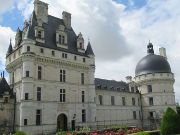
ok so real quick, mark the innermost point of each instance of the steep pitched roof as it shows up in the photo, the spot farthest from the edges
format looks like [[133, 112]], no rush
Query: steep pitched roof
[[111, 85], [4, 87], [89, 50], [10, 49], [50, 35]]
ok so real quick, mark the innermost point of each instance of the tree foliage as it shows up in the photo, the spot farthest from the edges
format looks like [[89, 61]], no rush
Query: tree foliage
[[170, 122]]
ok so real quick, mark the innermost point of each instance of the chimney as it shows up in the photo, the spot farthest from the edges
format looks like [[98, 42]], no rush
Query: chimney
[[41, 11], [162, 52], [129, 79], [67, 19]]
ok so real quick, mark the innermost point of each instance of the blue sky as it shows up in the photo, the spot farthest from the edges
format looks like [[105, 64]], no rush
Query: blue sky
[[133, 24]]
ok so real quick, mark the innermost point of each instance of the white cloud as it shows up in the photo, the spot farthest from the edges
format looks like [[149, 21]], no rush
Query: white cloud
[[5, 34], [5, 6]]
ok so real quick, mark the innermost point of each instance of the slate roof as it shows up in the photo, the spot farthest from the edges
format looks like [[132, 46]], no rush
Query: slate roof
[[4, 87], [50, 35], [89, 50], [111, 85], [10, 49]]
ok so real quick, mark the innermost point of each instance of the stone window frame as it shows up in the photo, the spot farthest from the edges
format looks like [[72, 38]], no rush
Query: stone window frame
[[62, 97]]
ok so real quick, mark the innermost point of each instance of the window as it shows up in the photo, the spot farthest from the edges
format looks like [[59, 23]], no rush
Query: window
[[53, 53], [83, 115], [25, 122], [123, 101], [6, 99], [26, 96], [75, 58], [134, 115], [42, 50], [39, 72], [60, 39], [83, 96], [27, 73], [149, 87], [100, 99], [133, 101], [84, 59], [38, 93], [14, 55], [28, 49], [80, 45], [39, 34], [112, 100], [82, 78], [63, 39], [151, 114], [132, 89], [151, 101], [38, 117], [64, 55], [19, 52], [62, 76], [62, 95]]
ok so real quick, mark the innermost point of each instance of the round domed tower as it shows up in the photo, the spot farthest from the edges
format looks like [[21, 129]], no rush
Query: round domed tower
[[154, 80]]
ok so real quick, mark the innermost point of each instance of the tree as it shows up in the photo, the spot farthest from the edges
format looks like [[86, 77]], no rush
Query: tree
[[170, 122]]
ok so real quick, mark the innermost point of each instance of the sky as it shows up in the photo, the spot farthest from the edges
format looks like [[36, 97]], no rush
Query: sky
[[119, 31]]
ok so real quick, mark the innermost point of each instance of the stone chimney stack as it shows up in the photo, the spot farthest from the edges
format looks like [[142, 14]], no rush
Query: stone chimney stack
[[162, 52], [41, 11], [67, 19], [129, 79]]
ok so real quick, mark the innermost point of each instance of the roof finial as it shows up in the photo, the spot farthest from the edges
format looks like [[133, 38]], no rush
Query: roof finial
[[150, 49]]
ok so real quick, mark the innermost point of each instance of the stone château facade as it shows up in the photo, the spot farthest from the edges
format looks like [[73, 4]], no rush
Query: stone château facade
[[52, 84]]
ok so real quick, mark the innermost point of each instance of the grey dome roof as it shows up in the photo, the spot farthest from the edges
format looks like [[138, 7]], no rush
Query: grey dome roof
[[152, 64]]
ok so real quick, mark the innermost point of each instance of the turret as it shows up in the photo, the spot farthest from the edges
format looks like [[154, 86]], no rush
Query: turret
[[89, 50], [10, 49], [18, 37]]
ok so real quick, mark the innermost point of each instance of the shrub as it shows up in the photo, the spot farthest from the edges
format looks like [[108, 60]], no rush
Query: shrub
[[20, 133], [170, 122]]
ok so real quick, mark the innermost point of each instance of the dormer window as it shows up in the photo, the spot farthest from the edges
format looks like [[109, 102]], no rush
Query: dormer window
[[80, 43], [61, 37], [39, 35]]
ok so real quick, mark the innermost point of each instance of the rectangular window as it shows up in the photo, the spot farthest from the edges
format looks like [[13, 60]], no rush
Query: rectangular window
[[39, 34], [83, 115], [83, 96], [60, 39], [25, 122], [26, 96], [134, 115], [82, 78], [62, 76], [100, 99], [38, 117], [53, 53], [38, 93], [132, 89], [112, 100], [84, 59], [64, 55], [28, 48], [133, 101], [151, 114], [42, 50], [27, 73], [62, 95], [63, 39], [39, 72], [149, 87], [75, 58], [151, 102], [123, 101]]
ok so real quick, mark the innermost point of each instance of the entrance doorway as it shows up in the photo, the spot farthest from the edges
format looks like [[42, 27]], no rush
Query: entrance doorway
[[62, 122]]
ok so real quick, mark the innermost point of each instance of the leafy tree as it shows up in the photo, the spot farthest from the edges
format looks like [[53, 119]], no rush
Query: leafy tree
[[170, 122]]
